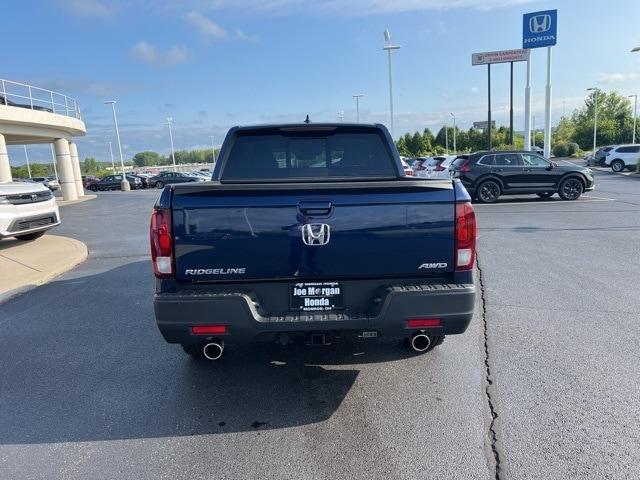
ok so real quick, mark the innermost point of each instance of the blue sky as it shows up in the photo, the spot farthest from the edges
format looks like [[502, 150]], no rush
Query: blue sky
[[212, 64]]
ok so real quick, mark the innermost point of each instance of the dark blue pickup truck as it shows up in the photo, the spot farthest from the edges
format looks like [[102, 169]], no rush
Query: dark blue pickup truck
[[312, 232]]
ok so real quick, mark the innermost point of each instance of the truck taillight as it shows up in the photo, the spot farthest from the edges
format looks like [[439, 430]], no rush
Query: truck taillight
[[465, 236], [161, 243]]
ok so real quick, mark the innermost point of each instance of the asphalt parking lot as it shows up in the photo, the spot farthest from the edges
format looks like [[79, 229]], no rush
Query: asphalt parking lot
[[544, 384]]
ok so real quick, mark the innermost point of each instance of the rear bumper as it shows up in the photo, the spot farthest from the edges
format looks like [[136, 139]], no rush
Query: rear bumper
[[176, 313]]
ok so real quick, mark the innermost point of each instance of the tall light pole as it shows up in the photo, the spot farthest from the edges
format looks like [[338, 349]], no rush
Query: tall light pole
[[29, 166], [124, 185], [595, 116], [389, 48], [533, 129], [213, 149], [113, 165], [635, 111], [446, 140], [455, 147], [358, 96], [173, 152]]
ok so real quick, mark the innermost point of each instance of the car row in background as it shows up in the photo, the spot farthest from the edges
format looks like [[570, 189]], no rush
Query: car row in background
[[433, 167], [488, 175], [50, 182], [143, 180]]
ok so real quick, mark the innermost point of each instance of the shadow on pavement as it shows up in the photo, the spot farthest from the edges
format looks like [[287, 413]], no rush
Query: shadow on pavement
[[83, 361]]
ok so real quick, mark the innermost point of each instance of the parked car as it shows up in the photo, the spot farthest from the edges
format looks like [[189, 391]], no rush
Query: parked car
[[50, 182], [274, 250], [419, 165], [601, 154], [537, 149], [144, 179], [408, 171], [438, 166], [113, 182], [170, 178], [488, 175], [623, 156], [27, 210], [88, 180]]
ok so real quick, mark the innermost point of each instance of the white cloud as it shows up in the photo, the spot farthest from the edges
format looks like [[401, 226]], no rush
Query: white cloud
[[207, 28], [243, 37], [89, 8], [147, 53], [610, 78]]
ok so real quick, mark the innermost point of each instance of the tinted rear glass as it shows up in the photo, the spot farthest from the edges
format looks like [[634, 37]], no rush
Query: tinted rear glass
[[628, 150], [309, 155], [458, 162]]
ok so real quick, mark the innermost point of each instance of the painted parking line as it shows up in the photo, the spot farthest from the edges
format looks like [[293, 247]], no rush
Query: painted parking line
[[545, 202]]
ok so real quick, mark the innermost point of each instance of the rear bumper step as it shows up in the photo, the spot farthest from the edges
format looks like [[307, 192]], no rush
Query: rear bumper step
[[176, 313]]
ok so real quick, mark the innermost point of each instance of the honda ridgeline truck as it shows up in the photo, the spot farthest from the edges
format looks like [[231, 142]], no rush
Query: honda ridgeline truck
[[312, 232]]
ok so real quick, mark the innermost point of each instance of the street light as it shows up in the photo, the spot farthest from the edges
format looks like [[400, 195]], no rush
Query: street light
[[446, 140], [358, 96], [455, 148], [173, 153], [595, 117], [124, 185], [635, 110], [389, 48], [113, 165]]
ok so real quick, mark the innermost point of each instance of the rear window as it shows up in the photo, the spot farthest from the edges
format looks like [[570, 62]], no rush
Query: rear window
[[628, 149], [460, 161], [312, 155]]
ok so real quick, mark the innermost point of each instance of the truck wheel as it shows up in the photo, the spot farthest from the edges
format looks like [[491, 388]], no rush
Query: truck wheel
[[193, 349], [488, 191], [570, 189], [29, 236]]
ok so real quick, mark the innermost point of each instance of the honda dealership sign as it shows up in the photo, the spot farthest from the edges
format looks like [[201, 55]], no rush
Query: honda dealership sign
[[502, 56], [540, 29]]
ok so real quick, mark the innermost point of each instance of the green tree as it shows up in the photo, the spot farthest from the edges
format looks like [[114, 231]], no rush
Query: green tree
[[401, 145], [147, 158], [615, 120]]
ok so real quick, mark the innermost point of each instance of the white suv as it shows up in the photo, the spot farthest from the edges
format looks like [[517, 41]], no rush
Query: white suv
[[26, 210], [623, 156]]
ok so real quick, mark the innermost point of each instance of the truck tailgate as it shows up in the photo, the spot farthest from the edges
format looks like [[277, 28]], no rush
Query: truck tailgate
[[256, 231]]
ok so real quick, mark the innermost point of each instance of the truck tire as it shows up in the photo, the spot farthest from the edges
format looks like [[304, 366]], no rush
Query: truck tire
[[193, 349], [488, 191], [29, 236]]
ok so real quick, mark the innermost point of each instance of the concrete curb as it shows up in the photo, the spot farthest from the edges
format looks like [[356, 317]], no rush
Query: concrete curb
[[63, 203], [26, 265]]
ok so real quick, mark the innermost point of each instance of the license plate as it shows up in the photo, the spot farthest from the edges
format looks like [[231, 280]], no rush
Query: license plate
[[316, 296]]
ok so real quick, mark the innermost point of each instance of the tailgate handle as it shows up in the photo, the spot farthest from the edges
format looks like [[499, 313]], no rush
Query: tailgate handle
[[315, 208]]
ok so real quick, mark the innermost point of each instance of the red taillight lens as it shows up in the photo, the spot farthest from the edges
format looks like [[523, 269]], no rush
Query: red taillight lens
[[421, 167], [465, 236], [161, 243], [423, 322], [409, 173], [209, 329], [440, 168], [465, 167]]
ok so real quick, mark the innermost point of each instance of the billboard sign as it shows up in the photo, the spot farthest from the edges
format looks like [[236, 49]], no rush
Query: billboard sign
[[502, 56], [540, 29]]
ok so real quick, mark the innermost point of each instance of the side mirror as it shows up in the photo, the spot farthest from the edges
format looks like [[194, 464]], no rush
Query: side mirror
[[552, 165]]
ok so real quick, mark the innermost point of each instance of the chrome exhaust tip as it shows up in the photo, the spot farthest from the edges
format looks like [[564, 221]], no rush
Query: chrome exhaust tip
[[420, 342], [213, 350]]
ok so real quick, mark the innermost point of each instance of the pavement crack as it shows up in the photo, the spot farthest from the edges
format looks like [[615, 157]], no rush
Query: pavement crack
[[493, 436]]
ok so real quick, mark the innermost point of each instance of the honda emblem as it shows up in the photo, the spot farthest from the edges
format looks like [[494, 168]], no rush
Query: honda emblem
[[315, 234]]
